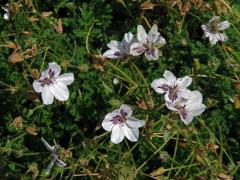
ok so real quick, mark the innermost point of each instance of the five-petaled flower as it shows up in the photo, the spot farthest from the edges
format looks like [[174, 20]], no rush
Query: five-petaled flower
[[148, 43], [175, 88], [120, 49], [212, 28], [51, 84], [121, 123], [54, 154], [188, 108]]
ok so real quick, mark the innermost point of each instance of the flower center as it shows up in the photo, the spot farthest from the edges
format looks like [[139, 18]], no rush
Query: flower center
[[172, 91], [214, 26], [48, 80], [120, 119]]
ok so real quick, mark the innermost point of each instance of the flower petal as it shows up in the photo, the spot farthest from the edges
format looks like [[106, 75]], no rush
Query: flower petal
[[6, 16], [107, 123], [153, 34], [160, 85], [113, 44], [186, 119], [152, 54], [222, 37], [128, 37], [213, 39], [131, 133], [66, 78], [47, 96], [184, 82], [136, 49], [48, 146], [60, 91], [170, 77], [197, 110], [171, 106], [223, 25], [141, 34], [37, 86], [126, 110], [135, 123], [113, 54], [60, 163], [184, 93], [49, 167], [117, 134], [54, 67]]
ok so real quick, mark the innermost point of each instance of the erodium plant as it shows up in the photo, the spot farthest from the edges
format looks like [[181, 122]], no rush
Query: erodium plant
[[129, 90]]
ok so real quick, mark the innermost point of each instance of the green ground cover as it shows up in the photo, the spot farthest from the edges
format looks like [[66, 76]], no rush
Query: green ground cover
[[75, 34]]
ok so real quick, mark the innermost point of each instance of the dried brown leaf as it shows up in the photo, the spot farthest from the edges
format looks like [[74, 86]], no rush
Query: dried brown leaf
[[17, 122], [223, 176], [59, 26], [33, 19], [16, 57], [46, 14], [31, 130], [158, 172], [147, 5]]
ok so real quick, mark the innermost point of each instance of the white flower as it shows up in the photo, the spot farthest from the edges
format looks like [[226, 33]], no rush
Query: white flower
[[175, 88], [188, 108], [53, 150], [121, 123], [51, 84], [212, 28], [6, 15], [147, 43], [119, 50]]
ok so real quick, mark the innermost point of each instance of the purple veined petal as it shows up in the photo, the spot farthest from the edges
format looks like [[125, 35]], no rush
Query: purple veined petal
[[66, 78], [135, 123], [171, 96], [160, 85], [141, 34], [186, 117], [184, 82], [47, 96], [125, 111], [113, 54], [131, 134], [171, 106], [170, 77], [107, 123], [152, 54], [223, 25], [117, 134], [60, 91], [60, 163], [37, 86], [136, 49], [222, 37], [55, 68], [213, 39], [48, 146], [50, 165]]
